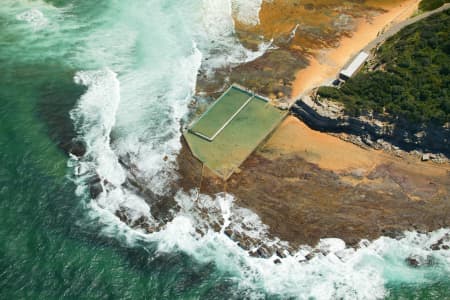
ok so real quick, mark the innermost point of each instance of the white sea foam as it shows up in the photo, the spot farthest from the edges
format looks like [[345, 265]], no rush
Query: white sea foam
[[34, 17], [37, 14], [335, 272], [217, 40], [94, 117], [247, 11]]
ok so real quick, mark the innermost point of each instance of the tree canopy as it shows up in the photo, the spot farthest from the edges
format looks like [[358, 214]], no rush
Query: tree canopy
[[413, 77]]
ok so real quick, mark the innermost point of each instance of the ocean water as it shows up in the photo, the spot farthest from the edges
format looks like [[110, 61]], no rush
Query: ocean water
[[118, 75]]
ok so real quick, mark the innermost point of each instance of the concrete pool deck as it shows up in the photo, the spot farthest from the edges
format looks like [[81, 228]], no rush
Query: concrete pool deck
[[239, 131]]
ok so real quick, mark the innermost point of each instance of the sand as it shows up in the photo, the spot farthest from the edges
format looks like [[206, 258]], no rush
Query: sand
[[328, 152], [293, 137], [326, 64]]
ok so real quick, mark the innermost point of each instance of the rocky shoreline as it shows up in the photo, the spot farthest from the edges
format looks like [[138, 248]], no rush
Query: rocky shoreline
[[379, 132], [302, 204], [300, 201]]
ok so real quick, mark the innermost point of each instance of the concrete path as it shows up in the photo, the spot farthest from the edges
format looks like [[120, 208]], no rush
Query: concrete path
[[396, 28]]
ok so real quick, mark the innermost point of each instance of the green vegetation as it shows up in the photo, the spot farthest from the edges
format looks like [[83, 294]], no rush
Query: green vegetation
[[426, 5], [412, 79]]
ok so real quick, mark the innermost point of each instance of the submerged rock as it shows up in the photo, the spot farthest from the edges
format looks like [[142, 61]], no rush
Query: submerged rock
[[440, 244], [419, 261], [95, 186], [77, 148]]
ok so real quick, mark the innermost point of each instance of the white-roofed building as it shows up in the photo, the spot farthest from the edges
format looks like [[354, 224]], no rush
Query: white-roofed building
[[354, 66]]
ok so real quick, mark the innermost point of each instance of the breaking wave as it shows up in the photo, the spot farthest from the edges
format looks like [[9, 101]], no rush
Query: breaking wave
[[247, 12]]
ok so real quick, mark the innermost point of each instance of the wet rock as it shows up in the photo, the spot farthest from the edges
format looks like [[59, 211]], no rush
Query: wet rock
[[247, 243], [437, 245], [413, 261], [364, 243], [140, 222], [309, 256], [393, 233], [253, 253], [123, 216], [95, 187], [419, 261], [77, 148], [216, 226], [440, 243], [95, 190], [229, 233], [149, 229], [264, 252]]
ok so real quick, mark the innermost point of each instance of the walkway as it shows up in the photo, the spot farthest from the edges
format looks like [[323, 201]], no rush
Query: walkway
[[396, 28]]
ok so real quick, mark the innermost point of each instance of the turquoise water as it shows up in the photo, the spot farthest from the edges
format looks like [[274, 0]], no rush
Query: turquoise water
[[119, 77]]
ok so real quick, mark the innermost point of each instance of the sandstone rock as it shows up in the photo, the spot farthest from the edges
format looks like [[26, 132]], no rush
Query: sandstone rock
[[228, 232], [216, 226]]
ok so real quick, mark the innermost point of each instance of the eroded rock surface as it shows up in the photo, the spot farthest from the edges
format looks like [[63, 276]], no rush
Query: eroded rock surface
[[302, 203]]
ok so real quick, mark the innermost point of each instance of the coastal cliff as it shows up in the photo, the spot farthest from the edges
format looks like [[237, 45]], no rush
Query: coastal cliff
[[399, 97], [379, 132]]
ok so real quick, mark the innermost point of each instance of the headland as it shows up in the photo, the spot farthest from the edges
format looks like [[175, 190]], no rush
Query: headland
[[305, 184]]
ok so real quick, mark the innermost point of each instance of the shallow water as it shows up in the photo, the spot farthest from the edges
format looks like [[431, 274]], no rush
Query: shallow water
[[119, 77]]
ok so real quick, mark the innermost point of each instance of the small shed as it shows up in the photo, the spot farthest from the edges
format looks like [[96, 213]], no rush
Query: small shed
[[354, 66]]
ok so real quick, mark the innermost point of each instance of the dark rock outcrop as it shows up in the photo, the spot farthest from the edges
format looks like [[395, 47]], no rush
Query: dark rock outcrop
[[441, 244], [95, 186], [417, 261], [77, 148], [405, 135]]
